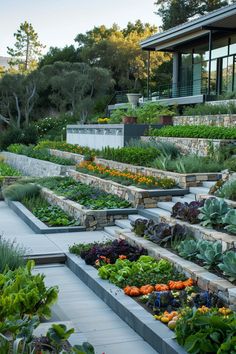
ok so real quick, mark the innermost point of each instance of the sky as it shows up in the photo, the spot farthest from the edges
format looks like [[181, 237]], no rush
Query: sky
[[57, 22]]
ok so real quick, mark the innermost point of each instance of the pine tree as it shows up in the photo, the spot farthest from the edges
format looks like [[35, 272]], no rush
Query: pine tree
[[26, 49]]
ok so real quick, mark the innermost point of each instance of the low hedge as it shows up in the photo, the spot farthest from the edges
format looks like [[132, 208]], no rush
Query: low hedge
[[195, 131]]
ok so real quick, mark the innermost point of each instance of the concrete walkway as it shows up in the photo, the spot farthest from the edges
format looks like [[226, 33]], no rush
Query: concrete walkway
[[77, 303], [89, 314]]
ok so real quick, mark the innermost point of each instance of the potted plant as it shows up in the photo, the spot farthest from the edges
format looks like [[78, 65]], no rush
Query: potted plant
[[133, 99], [166, 116], [129, 119]]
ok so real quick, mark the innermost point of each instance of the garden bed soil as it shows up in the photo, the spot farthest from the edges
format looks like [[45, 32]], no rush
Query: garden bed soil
[[206, 280], [89, 219], [37, 225], [183, 180], [139, 198]]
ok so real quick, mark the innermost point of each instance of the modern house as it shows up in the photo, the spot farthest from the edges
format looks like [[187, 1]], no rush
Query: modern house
[[204, 58]]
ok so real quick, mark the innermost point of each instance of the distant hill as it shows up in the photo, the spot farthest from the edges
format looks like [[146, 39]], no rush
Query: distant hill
[[4, 61]]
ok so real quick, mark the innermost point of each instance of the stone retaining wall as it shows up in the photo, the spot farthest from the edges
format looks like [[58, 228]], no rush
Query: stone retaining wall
[[191, 145], [77, 158], [90, 219], [34, 167], [139, 198], [220, 120], [182, 180]]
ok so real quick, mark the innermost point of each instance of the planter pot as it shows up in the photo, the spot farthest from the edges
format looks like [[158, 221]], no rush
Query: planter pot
[[129, 120], [166, 120], [133, 98]]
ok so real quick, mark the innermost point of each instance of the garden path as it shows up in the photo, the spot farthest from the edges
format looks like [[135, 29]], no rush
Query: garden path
[[77, 303]]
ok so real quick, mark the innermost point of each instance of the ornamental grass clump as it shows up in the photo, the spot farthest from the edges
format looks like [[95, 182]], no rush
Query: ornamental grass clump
[[19, 191], [11, 255], [125, 177]]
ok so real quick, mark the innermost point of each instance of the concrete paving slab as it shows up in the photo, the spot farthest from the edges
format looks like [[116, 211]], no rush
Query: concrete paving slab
[[89, 314]]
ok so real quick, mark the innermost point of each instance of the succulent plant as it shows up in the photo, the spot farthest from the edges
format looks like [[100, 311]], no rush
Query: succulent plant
[[209, 252], [188, 249], [213, 212], [228, 265], [230, 221]]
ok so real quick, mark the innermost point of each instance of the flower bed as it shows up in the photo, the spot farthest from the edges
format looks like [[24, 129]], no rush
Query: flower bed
[[137, 197], [63, 146], [170, 301], [125, 177], [97, 209], [203, 252], [49, 214], [211, 213]]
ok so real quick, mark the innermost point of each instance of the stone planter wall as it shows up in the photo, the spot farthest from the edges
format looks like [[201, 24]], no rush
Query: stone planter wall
[[205, 280], [191, 145], [220, 120], [34, 167], [90, 219], [77, 158], [182, 180], [139, 198]]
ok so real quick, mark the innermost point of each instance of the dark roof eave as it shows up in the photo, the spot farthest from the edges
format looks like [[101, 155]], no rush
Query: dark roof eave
[[151, 42]]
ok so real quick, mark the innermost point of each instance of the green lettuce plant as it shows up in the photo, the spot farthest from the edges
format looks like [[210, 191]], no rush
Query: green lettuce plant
[[212, 213], [228, 265], [230, 221], [209, 252]]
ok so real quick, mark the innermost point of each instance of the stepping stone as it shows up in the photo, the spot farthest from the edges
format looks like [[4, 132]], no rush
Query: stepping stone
[[208, 184], [199, 190], [134, 217]]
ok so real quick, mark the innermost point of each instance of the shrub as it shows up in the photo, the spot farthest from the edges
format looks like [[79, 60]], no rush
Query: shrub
[[231, 164], [63, 146], [208, 109], [18, 191], [54, 128], [131, 155], [195, 131], [18, 136], [11, 255]]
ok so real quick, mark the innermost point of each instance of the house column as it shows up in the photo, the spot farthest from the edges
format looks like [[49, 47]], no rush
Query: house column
[[175, 78]]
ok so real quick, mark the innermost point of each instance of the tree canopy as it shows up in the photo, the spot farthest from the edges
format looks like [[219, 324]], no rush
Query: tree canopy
[[176, 12], [27, 48]]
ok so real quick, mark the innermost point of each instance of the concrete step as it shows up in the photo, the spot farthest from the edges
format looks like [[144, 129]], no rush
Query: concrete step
[[184, 199], [199, 190], [161, 212], [190, 196], [124, 224], [111, 230], [134, 217], [208, 184], [166, 205]]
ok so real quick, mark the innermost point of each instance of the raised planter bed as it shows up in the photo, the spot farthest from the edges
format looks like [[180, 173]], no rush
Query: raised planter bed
[[198, 231], [90, 219], [34, 167], [205, 280], [35, 224], [139, 198], [77, 158], [184, 180], [197, 146], [153, 332]]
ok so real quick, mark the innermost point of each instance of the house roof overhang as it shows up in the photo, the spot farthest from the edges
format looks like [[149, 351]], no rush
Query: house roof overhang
[[223, 19]]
